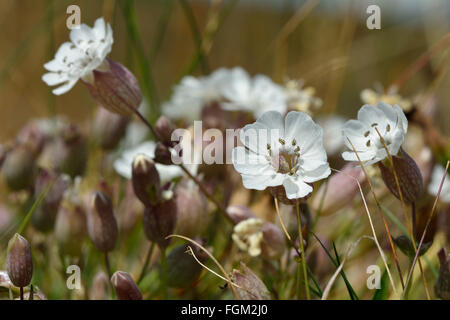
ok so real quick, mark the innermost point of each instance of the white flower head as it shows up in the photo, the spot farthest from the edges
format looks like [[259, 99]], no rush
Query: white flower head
[[256, 95], [192, 94], [248, 236], [77, 59], [123, 165], [287, 152], [383, 120], [436, 178]]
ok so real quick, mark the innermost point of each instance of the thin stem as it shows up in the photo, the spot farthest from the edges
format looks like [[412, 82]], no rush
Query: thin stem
[[302, 252], [414, 220], [146, 262], [21, 293], [164, 274]]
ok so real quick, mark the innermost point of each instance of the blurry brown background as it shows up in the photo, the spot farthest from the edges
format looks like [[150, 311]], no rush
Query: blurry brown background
[[329, 45]]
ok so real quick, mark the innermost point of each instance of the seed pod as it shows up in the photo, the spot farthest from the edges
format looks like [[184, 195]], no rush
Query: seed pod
[[160, 220], [251, 287], [162, 154], [19, 168], [109, 128], [125, 286], [19, 262], [70, 229], [182, 269], [442, 285], [164, 127], [43, 219], [408, 174], [340, 190], [70, 152], [101, 222], [192, 215], [239, 213], [116, 89], [145, 180]]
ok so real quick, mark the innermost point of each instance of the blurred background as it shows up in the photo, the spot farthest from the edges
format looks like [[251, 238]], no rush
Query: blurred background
[[326, 43]]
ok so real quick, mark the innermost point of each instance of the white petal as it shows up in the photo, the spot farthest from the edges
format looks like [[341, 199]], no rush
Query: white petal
[[52, 78], [248, 162], [65, 88], [296, 189], [321, 172], [261, 182]]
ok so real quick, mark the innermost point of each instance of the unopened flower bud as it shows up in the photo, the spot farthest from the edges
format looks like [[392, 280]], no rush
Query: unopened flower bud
[[145, 180], [408, 174], [44, 216], [70, 229], [406, 246], [340, 190], [100, 287], [250, 286], [162, 154], [102, 224], [19, 168], [19, 262], [125, 287], [442, 285], [109, 128], [182, 268], [70, 152], [239, 213], [115, 88], [164, 127], [192, 214], [159, 221]]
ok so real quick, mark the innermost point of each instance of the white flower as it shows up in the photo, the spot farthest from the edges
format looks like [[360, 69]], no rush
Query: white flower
[[436, 178], [248, 235], [256, 95], [192, 94], [77, 59], [301, 98], [123, 164], [285, 152], [364, 133]]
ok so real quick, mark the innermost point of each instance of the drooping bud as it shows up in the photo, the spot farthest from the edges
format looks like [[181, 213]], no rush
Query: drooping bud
[[239, 213], [109, 128], [182, 269], [162, 154], [159, 220], [408, 174], [70, 229], [19, 168], [100, 287], [44, 216], [115, 88], [250, 286], [101, 222], [340, 190], [19, 262], [442, 285], [405, 245], [125, 287], [145, 180], [70, 152], [164, 127], [192, 215]]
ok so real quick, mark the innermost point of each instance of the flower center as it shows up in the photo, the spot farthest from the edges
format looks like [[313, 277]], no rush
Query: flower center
[[286, 161]]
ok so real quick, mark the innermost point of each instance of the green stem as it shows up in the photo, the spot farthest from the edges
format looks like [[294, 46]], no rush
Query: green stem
[[302, 252], [164, 274], [108, 265], [147, 260]]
